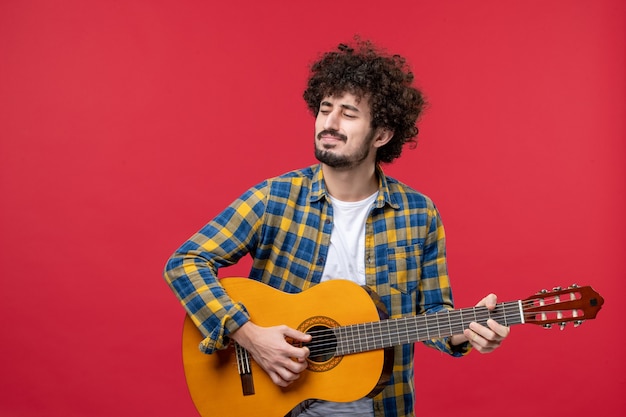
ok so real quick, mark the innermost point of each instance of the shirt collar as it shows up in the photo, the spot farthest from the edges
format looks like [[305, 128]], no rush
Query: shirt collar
[[319, 191]]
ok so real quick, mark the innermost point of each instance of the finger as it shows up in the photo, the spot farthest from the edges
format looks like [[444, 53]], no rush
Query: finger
[[296, 353], [483, 332], [500, 330], [286, 371], [479, 343], [294, 365], [489, 301], [278, 380], [469, 335], [289, 373], [307, 352], [296, 335], [475, 340]]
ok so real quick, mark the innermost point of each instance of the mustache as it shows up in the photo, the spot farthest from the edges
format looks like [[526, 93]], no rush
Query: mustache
[[333, 133]]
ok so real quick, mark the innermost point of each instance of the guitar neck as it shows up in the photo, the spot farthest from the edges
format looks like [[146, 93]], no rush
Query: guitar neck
[[382, 334]]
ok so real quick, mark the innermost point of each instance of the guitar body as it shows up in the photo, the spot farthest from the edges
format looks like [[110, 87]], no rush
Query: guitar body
[[215, 384]]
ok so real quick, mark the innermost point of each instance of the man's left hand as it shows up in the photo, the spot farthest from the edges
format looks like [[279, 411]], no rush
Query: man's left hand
[[484, 339]]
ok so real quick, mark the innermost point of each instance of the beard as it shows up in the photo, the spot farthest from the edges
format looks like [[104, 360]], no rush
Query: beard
[[326, 155]]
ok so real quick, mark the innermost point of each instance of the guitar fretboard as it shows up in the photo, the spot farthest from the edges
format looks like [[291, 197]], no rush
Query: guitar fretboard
[[387, 333]]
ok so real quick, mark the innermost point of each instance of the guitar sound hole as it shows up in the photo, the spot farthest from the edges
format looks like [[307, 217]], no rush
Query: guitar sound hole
[[323, 345]]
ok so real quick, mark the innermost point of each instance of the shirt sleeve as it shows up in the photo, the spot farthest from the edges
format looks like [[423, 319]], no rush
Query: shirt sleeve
[[191, 272], [435, 283]]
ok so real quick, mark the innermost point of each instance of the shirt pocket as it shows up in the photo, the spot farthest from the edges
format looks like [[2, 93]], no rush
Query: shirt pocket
[[405, 267]]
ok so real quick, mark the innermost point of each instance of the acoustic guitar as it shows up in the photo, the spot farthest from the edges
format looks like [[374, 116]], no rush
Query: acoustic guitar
[[351, 351]]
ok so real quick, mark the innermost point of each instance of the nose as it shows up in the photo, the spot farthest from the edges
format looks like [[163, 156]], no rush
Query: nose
[[331, 122]]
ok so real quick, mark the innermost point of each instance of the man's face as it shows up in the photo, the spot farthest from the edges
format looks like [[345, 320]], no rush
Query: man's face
[[343, 132]]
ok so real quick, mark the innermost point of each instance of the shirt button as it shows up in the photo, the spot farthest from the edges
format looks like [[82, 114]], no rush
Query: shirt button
[[320, 260]]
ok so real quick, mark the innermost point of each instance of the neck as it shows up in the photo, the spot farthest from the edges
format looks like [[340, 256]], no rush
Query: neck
[[353, 184]]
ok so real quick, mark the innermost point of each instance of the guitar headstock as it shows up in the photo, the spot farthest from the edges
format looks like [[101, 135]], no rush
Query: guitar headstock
[[560, 306]]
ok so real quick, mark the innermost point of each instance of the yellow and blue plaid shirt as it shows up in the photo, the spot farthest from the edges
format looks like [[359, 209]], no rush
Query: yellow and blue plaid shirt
[[284, 224]]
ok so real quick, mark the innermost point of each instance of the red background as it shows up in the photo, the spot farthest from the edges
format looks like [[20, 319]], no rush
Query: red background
[[126, 125]]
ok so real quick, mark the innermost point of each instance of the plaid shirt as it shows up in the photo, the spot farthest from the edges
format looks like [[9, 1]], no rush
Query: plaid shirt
[[285, 224]]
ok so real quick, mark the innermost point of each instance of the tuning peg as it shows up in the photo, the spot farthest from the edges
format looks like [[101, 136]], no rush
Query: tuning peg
[[562, 325], [557, 289], [547, 326], [578, 323], [574, 286], [543, 291]]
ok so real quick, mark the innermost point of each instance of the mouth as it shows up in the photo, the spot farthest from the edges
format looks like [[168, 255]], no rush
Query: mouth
[[331, 136]]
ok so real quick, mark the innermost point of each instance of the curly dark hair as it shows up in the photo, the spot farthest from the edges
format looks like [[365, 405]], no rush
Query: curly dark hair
[[386, 80]]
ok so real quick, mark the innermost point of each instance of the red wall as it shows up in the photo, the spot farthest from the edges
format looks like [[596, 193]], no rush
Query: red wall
[[126, 125]]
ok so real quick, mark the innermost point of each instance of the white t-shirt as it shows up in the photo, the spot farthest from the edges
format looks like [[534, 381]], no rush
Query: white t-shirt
[[346, 260], [346, 254]]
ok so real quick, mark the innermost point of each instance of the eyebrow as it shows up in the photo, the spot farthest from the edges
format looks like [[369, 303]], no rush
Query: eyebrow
[[344, 106]]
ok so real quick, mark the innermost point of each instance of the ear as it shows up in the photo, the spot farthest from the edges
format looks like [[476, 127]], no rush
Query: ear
[[382, 137]]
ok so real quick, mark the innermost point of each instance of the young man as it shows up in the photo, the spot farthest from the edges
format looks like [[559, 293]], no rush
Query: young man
[[342, 218]]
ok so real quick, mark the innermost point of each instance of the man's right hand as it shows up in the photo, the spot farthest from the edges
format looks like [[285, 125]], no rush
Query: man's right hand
[[269, 348]]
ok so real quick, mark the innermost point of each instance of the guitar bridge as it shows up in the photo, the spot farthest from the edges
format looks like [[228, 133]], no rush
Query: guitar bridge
[[245, 370]]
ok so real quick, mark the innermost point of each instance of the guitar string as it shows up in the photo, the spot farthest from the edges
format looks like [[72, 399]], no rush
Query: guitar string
[[370, 334], [375, 330], [372, 331], [513, 306], [484, 314], [371, 341], [431, 326]]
